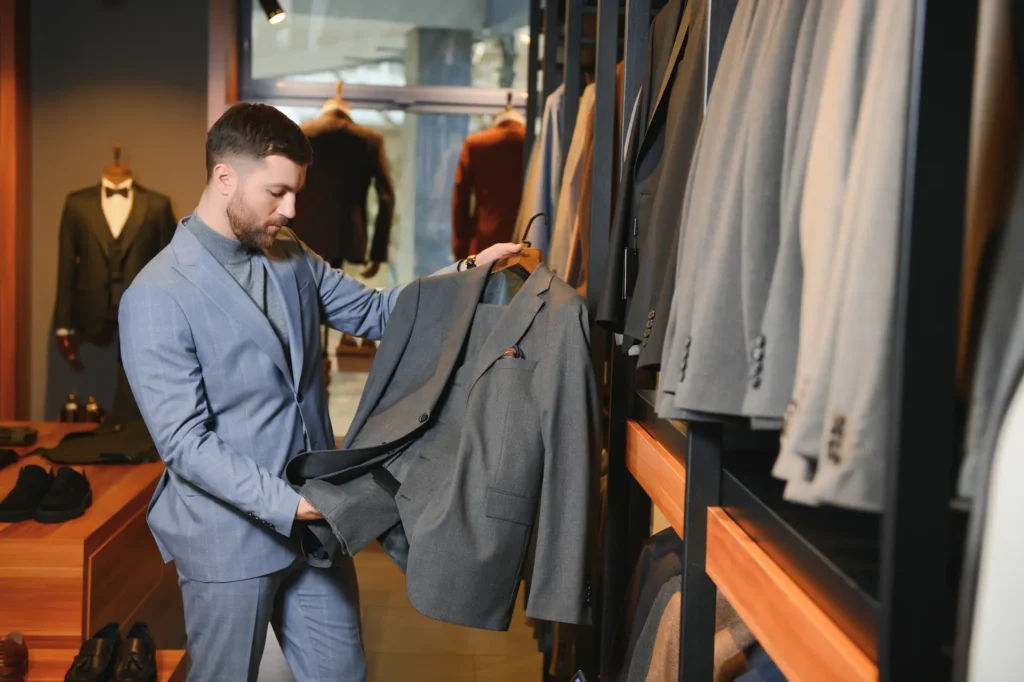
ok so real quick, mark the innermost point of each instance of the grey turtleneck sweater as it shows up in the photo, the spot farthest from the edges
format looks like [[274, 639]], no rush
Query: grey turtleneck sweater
[[247, 268]]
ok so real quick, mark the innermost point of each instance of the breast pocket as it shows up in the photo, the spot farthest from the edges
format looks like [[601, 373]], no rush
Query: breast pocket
[[514, 430]]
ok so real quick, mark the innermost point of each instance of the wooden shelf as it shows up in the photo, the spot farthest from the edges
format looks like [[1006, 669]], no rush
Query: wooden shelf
[[50, 665], [802, 640], [62, 582], [661, 474]]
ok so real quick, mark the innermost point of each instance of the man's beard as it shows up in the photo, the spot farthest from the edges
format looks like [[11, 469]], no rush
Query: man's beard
[[250, 231]]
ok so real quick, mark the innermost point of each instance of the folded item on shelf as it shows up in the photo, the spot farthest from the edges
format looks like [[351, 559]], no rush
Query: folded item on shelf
[[113, 442], [17, 436]]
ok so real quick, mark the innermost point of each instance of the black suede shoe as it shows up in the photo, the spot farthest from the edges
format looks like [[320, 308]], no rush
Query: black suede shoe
[[67, 499], [137, 661], [96, 658], [33, 484]]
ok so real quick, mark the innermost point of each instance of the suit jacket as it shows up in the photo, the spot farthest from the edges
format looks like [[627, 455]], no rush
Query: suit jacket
[[987, 602], [572, 185], [224, 407], [490, 171], [675, 37], [854, 442], [732, 234], [828, 165], [711, 195], [773, 365], [94, 269], [517, 468], [330, 211], [543, 183]]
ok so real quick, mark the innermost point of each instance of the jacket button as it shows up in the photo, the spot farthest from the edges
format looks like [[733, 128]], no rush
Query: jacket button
[[298, 397], [424, 417]]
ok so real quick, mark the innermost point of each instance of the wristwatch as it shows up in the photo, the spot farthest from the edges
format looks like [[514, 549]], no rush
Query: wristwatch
[[471, 262]]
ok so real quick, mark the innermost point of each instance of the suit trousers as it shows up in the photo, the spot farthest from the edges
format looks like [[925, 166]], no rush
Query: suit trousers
[[314, 613]]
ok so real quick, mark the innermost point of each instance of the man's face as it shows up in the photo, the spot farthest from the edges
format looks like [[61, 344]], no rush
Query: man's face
[[264, 200]]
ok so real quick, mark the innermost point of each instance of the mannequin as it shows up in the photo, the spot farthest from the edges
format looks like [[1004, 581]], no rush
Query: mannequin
[[108, 233], [489, 184]]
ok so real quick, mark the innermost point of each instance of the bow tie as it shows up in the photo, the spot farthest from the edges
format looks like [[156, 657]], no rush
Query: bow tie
[[110, 191]]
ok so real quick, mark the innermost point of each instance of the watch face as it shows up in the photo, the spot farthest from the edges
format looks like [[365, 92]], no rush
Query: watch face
[[579, 677]]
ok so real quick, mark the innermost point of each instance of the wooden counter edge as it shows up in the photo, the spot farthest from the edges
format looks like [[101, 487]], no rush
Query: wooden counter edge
[[802, 640], [661, 474]]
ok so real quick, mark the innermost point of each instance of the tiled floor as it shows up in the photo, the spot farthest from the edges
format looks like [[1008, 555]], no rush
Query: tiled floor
[[401, 644]]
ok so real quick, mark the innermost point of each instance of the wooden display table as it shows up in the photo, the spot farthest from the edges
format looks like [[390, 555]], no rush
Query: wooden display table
[[50, 665], [61, 583]]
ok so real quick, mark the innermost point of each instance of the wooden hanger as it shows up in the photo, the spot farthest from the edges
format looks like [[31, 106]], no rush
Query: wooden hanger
[[116, 173], [508, 101], [528, 258]]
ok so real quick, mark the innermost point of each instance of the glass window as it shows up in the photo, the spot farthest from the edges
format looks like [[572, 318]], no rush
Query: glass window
[[423, 152], [470, 43]]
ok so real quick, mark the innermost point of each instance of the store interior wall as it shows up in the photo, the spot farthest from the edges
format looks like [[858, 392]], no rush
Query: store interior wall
[[140, 80]]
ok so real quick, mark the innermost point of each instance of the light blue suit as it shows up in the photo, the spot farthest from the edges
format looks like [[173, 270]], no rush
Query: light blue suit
[[228, 409]]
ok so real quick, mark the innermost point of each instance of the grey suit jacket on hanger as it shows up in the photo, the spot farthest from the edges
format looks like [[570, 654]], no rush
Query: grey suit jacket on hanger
[[488, 453]]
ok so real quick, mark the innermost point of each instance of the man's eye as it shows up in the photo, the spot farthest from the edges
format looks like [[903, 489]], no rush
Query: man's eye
[[277, 195]]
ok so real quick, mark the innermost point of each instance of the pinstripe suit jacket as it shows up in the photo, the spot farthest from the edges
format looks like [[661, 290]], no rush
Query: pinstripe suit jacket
[[225, 407]]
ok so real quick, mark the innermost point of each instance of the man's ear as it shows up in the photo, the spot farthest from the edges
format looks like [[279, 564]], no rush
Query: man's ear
[[224, 178]]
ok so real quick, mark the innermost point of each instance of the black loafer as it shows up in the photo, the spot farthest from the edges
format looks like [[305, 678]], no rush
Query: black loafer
[[67, 499], [137, 660], [96, 658], [34, 482]]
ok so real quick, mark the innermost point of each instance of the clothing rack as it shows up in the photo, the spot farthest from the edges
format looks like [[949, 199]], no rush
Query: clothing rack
[[829, 593]]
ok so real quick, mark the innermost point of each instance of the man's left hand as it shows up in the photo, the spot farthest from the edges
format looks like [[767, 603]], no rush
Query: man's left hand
[[496, 252]]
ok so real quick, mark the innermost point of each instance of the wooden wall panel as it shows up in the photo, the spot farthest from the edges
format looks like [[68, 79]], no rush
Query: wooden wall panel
[[222, 82], [15, 151]]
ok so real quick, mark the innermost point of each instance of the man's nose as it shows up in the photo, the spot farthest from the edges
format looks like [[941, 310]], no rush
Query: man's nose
[[287, 207]]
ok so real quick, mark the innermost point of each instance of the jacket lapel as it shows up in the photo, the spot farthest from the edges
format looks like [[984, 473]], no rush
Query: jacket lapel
[[199, 266], [514, 323], [98, 221], [135, 218], [682, 36], [281, 272]]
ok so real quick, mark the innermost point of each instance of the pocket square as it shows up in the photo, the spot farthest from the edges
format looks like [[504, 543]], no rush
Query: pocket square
[[514, 352]]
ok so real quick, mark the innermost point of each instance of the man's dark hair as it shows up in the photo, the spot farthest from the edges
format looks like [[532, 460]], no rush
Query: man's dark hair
[[256, 131]]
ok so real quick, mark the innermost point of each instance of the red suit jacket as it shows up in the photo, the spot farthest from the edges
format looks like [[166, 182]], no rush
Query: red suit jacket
[[490, 170]]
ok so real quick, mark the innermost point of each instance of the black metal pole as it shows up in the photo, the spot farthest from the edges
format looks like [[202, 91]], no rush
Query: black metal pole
[[604, 144], [552, 41], [699, 594], [532, 85], [917, 619], [638, 25], [572, 71]]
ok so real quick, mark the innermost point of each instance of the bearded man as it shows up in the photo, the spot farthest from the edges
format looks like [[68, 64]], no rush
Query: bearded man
[[220, 342]]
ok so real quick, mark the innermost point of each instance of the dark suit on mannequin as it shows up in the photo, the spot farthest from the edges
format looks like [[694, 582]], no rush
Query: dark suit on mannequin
[[94, 268], [330, 211]]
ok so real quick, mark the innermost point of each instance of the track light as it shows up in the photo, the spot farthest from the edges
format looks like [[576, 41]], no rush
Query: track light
[[275, 15]]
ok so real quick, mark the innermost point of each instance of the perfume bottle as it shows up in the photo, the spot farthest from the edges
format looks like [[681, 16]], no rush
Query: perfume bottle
[[72, 410], [93, 411]]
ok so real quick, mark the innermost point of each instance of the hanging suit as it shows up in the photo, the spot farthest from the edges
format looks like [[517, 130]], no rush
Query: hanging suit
[[330, 211], [475, 437], [490, 171]]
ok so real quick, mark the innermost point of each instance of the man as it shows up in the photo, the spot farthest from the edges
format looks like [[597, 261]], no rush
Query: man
[[219, 339]]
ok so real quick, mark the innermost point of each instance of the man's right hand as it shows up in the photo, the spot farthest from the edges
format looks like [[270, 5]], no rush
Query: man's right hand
[[306, 511]]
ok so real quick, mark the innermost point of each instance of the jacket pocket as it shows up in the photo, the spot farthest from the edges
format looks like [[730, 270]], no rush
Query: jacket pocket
[[509, 507]]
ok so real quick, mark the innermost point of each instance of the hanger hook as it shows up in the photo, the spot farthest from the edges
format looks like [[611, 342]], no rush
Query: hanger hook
[[117, 155], [530, 224]]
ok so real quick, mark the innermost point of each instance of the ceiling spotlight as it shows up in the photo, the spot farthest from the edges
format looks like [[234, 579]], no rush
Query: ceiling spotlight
[[275, 15]]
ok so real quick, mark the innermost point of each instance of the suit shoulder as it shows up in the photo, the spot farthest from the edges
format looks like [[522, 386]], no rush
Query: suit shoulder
[[154, 197], [83, 193], [564, 297]]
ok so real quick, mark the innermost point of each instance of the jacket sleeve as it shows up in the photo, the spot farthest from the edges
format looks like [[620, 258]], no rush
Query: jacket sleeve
[[163, 370], [560, 579], [462, 229], [65, 271], [385, 204]]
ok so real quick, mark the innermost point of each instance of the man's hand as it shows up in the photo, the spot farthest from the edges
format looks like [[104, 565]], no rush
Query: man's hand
[[67, 345], [306, 511], [496, 252]]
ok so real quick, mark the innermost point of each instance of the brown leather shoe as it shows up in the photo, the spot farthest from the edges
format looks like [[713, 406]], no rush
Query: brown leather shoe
[[13, 658]]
